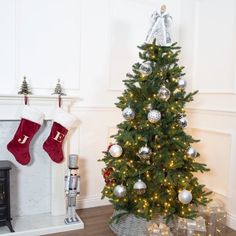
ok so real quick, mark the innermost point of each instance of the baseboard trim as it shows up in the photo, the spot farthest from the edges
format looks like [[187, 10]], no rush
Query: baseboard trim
[[231, 221], [91, 201]]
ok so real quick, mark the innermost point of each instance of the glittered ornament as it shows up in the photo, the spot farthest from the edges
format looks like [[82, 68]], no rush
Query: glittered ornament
[[128, 113], [144, 153], [164, 93], [185, 196], [115, 150], [182, 83], [154, 116], [182, 122], [120, 191], [140, 187], [192, 152], [145, 69]]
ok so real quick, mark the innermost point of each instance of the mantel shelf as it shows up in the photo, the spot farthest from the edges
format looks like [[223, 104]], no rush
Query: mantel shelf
[[35, 98], [11, 105]]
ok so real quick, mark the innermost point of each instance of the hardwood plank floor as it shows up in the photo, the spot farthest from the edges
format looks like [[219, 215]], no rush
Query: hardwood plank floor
[[96, 223]]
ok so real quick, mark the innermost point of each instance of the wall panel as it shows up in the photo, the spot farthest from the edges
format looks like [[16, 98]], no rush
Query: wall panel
[[48, 42], [215, 34], [7, 46]]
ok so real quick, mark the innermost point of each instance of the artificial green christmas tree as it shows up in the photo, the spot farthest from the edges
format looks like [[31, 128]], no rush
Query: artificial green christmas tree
[[149, 171]]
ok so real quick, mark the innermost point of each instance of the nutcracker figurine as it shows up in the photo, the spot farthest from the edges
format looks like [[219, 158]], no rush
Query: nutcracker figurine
[[72, 188]]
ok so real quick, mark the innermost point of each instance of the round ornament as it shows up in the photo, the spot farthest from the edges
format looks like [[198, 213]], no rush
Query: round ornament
[[115, 150], [192, 152], [140, 187], [185, 196], [154, 116], [145, 69], [182, 122], [144, 153], [119, 191], [182, 83], [164, 93], [128, 113]]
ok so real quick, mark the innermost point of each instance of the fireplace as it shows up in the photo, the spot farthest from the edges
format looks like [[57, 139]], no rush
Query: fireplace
[[49, 216], [5, 209]]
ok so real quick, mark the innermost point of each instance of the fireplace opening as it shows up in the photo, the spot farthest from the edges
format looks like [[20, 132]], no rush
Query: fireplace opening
[[5, 206]]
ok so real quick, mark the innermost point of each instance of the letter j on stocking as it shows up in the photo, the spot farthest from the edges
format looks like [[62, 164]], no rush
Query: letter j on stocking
[[31, 120]]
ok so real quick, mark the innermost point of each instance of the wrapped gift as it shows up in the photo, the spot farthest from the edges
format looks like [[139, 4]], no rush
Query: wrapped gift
[[158, 229], [189, 227], [215, 216]]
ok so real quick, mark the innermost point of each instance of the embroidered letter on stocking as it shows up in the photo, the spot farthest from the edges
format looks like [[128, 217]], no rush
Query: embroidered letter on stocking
[[31, 120], [62, 122]]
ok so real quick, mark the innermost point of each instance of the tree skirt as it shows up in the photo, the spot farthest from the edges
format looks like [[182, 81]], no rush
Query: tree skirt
[[129, 225]]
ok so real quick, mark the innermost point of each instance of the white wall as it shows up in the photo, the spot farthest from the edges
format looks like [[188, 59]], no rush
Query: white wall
[[91, 45], [208, 36]]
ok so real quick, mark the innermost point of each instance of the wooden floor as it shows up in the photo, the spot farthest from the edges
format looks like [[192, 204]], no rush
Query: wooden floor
[[96, 223]]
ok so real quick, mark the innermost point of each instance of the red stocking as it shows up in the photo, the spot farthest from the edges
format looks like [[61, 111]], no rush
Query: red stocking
[[63, 121], [31, 120]]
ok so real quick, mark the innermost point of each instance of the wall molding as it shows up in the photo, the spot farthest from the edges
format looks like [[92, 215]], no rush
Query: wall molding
[[77, 108], [91, 201], [211, 111], [225, 193], [76, 82], [229, 91], [231, 220]]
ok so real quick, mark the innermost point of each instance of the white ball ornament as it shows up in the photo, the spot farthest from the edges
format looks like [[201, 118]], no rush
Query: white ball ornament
[[192, 152], [145, 69], [115, 150], [182, 83], [185, 196], [154, 116], [120, 191], [140, 187], [164, 93], [128, 113]]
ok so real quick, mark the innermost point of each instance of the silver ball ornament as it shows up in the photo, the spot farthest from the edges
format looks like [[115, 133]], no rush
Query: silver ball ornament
[[185, 196], [120, 191], [192, 152], [145, 69], [154, 116], [140, 187], [164, 93], [115, 150], [144, 153], [182, 122], [182, 83], [128, 113]]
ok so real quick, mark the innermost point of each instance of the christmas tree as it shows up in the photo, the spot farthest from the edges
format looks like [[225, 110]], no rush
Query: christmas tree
[[58, 89], [24, 88], [150, 169]]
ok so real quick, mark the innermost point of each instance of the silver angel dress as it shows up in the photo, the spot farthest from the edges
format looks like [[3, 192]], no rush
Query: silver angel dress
[[160, 29]]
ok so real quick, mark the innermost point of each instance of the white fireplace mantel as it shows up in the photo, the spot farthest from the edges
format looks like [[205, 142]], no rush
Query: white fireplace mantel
[[11, 105], [10, 109]]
